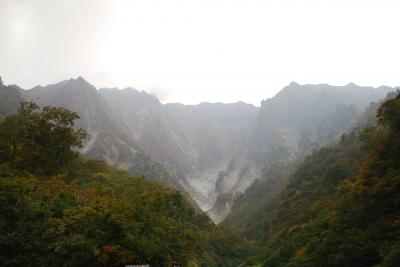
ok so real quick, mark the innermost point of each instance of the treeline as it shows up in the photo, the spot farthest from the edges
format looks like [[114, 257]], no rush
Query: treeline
[[58, 209]]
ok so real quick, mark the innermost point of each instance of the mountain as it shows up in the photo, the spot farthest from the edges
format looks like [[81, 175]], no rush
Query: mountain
[[301, 118], [217, 150], [109, 138], [213, 136], [213, 151], [194, 142], [142, 114], [292, 124], [258, 200]]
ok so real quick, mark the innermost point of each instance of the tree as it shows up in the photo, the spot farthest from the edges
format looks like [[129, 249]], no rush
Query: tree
[[389, 114], [41, 141]]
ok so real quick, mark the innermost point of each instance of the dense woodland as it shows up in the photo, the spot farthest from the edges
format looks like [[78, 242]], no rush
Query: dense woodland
[[340, 206]]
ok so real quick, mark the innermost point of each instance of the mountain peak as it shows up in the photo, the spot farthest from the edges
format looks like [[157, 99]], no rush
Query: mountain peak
[[293, 84], [351, 84], [80, 80], [78, 83]]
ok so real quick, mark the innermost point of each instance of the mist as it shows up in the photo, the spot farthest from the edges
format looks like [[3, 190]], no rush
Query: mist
[[190, 51]]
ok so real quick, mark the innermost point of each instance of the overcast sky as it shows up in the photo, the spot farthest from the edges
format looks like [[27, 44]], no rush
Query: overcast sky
[[193, 51]]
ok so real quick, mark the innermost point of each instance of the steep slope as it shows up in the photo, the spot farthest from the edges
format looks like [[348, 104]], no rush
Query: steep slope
[[251, 207], [295, 122], [98, 216], [198, 144], [258, 200], [213, 137], [307, 197], [109, 138], [215, 151], [96, 118], [340, 207], [301, 118], [142, 115], [344, 218]]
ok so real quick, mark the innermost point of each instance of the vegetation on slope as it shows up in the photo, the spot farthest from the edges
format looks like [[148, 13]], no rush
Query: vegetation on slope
[[342, 205], [57, 209], [257, 201]]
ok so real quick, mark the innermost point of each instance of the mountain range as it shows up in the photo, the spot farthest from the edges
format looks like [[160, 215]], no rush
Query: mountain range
[[212, 151]]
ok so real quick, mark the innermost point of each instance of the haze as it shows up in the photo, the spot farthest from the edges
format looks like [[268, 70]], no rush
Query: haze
[[194, 51]]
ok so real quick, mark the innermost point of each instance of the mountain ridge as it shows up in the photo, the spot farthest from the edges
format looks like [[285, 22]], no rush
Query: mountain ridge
[[213, 151]]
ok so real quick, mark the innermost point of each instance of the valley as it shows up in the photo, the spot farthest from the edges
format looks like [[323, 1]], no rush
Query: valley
[[199, 133], [212, 151], [280, 180]]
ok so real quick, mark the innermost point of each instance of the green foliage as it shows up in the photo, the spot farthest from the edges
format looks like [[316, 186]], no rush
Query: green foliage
[[40, 141], [392, 258], [257, 201], [342, 205], [389, 115], [96, 216]]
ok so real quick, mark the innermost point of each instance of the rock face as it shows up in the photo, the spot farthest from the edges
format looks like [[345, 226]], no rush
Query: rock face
[[104, 128], [109, 138], [213, 151], [298, 120], [195, 143], [213, 137], [216, 151]]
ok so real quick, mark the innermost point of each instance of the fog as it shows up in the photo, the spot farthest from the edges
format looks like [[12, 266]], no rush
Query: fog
[[194, 51]]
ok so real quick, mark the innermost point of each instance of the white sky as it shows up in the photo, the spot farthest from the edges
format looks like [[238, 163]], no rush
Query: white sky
[[193, 51]]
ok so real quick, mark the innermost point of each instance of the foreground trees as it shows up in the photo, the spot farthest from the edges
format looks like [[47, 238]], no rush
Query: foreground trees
[[40, 141]]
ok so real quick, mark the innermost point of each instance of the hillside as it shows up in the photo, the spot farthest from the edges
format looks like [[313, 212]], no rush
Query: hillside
[[340, 206], [97, 216], [294, 123], [58, 209], [259, 199]]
